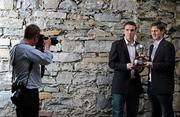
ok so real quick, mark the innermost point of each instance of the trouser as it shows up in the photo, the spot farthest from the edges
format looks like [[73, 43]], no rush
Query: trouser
[[130, 100], [29, 106], [161, 105]]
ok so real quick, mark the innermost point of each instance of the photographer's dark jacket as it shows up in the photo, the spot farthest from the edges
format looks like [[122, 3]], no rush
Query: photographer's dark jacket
[[21, 55], [118, 59]]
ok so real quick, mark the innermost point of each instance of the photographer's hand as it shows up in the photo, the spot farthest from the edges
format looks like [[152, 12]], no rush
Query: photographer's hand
[[47, 44]]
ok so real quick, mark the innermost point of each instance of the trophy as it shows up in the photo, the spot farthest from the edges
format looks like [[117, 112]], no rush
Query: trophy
[[140, 58]]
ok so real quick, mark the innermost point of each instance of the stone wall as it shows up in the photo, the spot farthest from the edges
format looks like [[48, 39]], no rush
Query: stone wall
[[78, 82]]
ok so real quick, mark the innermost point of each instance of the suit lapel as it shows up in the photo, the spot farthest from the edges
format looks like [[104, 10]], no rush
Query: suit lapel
[[150, 52], [126, 50], [136, 54], [158, 49]]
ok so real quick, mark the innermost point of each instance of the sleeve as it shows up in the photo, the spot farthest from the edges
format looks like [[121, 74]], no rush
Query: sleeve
[[36, 56], [114, 60], [168, 61], [11, 54]]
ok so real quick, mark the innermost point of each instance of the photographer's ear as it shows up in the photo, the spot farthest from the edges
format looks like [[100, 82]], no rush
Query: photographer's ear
[[36, 38]]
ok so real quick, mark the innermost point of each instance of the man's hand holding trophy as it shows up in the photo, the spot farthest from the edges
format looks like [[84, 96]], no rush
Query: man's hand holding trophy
[[141, 58]]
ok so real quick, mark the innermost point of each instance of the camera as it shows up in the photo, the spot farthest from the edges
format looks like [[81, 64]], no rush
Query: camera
[[17, 90], [17, 97], [40, 43], [40, 46]]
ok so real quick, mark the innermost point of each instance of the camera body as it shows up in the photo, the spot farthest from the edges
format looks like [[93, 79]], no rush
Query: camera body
[[40, 46], [17, 90], [17, 97], [40, 43]]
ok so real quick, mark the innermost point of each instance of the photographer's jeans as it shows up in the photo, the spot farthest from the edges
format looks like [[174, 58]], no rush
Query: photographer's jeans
[[29, 106]]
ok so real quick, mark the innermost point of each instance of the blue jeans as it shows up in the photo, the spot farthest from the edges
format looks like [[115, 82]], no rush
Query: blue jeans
[[118, 105], [132, 103]]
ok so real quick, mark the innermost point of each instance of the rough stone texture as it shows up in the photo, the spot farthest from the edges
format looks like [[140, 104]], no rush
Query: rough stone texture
[[4, 53], [78, 82], [6, 4], [50, 15], [122, 5], [29, 4], [68, 5], [107, 17], [72, 46], [11, 22], [97, 46], [66, 57], [51, 4]]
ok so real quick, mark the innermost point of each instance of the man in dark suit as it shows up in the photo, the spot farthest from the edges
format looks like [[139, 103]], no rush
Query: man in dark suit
[[126, 85], [161, 75]]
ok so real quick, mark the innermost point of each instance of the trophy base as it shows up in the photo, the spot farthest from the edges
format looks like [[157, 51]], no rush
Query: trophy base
[[139, 68]]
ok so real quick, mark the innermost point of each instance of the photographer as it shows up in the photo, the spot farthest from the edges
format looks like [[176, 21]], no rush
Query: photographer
[[26, 61]]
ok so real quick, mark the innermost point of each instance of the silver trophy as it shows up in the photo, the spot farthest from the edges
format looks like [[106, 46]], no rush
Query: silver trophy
[[140, 58]]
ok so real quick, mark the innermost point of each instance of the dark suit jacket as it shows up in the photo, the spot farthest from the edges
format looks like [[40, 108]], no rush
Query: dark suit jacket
[[162, 72], [118, 59]]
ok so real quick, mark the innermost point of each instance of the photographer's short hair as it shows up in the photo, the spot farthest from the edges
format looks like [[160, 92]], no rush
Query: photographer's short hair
[[130, 23], [160, 25], [31, 31]]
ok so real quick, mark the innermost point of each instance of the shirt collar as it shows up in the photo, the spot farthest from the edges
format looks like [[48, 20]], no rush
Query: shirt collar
[[156, 42], [128, 43], [22, 41]]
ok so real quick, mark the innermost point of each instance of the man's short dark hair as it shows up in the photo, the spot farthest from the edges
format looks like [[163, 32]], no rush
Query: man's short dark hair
[[31, 31], [160, 25], [130, 23]]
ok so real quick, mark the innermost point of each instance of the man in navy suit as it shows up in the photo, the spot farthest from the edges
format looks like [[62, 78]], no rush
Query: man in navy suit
[[126, 84], [161, 72]]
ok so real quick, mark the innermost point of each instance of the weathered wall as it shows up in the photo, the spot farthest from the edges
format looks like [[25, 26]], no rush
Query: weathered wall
[[78, 82]]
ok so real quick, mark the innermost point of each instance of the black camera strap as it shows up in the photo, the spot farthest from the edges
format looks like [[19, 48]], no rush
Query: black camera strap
[[13, 64]]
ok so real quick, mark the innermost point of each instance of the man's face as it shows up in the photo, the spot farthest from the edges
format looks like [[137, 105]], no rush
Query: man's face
[[156, 33], [129, 32]]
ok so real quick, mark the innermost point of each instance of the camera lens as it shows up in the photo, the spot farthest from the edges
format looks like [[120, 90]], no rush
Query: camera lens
[[54, 40]]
